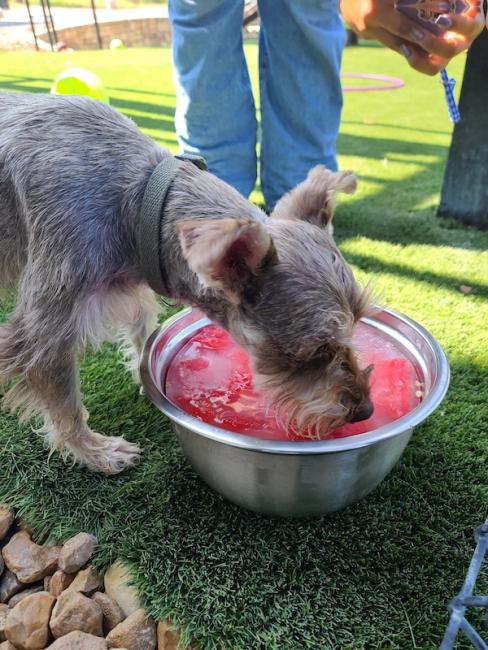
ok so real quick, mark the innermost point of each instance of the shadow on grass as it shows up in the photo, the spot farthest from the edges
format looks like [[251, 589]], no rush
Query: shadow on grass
[[157, 116], [381, 216], [16, 84], [158, 108], [154, 114], [394, 127], [136, 91], [368, 216]]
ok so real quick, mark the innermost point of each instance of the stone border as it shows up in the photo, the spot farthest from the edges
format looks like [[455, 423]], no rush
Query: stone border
[[51, 597], [133, 32]]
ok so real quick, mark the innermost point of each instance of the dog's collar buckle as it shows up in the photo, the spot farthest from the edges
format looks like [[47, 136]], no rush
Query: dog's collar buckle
[[195, 159]]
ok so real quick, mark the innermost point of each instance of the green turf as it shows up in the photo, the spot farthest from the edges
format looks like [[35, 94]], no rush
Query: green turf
[[379, 574]]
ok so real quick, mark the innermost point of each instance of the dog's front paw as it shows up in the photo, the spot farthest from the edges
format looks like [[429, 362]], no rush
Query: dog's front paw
[[118, 454], [106, 454]]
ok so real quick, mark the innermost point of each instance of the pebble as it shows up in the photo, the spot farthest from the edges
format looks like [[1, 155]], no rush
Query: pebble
[[76, 552], [87, 581], [29, 561], [78, 641], [27, 625], [23, 594], [58, 582], [6, 520], [3, 618], [6, 645], [168, 637], [9, 586], [112, 612], [116, 587], [137, 632], [74, 611]]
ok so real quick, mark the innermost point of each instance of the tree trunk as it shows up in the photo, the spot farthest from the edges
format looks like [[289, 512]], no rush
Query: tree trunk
[[465, 189]]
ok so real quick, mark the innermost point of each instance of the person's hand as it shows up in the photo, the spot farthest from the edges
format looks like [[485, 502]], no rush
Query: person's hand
[[379, 20]]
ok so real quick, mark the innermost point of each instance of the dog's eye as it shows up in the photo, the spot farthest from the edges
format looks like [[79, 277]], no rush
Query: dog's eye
[[345, 399], [250, 294]]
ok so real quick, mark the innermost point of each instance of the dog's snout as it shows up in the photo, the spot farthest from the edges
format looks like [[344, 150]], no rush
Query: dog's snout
[[363, 412]]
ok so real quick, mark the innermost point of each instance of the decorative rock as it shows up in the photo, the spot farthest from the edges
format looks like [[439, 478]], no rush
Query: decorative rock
[[137, 632], [6, 520], [168, 637], [116, 587], [74, 611], [112, 612], [3, 618], [78, 641], [76, 552], [87, 581], [23, 594], [6, 645], [27, 626], [9, 586], [27, 560], [2, 565], [58, 582]]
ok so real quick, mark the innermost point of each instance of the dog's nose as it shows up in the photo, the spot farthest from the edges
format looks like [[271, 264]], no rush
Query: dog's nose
[[363, 412]]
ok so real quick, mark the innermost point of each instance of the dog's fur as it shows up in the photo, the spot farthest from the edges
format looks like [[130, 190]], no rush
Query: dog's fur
[[72, 177]]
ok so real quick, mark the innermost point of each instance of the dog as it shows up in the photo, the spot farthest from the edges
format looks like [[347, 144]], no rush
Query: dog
[[73, 173]]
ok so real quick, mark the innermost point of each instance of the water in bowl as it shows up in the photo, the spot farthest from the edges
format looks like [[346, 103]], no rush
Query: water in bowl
[[210, 378]]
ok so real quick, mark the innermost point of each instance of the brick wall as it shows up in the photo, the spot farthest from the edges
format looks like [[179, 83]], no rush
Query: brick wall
[[140, 32]]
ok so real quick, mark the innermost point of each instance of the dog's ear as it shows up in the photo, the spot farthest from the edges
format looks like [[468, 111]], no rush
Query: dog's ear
[[226, 253], [314, 199]]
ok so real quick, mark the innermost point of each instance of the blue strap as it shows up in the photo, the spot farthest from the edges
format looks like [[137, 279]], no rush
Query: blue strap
[[452, 106]]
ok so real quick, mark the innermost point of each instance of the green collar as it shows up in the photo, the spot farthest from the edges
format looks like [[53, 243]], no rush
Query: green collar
[[149, 230]]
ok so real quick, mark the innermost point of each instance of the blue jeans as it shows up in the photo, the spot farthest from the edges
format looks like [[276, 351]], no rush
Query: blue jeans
[[300, 49]]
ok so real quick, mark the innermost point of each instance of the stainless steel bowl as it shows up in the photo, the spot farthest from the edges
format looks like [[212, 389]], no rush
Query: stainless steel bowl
[[288, 478]]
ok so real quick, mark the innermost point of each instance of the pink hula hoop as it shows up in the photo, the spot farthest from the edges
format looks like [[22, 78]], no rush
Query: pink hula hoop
[[388, 83]]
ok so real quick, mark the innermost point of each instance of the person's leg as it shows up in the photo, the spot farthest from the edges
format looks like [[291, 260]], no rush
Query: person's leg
[[300, 49], [215, 113]]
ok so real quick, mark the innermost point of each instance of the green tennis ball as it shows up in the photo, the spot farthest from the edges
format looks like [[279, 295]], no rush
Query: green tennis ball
[[116, 44], [77, 81]]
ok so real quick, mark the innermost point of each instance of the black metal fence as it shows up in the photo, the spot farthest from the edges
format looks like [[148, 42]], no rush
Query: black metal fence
[[49, 24]]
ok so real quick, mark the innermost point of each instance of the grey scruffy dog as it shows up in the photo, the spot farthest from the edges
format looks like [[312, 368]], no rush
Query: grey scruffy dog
[[72, 178]]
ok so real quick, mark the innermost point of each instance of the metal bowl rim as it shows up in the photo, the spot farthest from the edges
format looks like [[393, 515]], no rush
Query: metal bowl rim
[[306, 447]]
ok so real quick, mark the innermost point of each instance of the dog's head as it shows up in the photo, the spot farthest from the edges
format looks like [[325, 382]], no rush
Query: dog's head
[[288, 297]]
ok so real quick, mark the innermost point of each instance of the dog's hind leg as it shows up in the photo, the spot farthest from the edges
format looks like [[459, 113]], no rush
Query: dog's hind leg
[[39, 347]]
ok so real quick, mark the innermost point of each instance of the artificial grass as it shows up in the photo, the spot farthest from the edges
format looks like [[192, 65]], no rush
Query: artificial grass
[[380, 573]]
